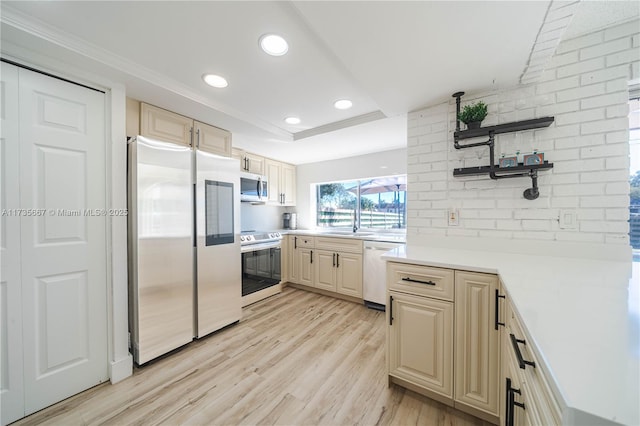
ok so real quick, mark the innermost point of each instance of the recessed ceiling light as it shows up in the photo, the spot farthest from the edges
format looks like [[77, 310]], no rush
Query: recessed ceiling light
[[215, 80], [292, 120], [273, 44], [343, 104]]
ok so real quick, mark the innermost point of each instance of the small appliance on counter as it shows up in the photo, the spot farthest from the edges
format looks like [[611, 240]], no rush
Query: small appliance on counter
[[290, 220]]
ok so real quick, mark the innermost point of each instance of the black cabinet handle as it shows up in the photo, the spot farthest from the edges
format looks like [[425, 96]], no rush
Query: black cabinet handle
[[411, 280], [337, 260], [390, 310], [498, 296], [521, 361], [334, 259], [295, 243], [511, 403], [311, 256]]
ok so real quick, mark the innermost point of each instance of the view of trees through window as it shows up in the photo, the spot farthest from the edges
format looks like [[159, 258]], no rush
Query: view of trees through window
[[381, 205]]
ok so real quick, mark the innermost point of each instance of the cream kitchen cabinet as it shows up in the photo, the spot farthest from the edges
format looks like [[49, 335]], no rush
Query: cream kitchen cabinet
[[250, 163], [339, 266], [467, 377], [339, 272], [327, 263], [167, 126], [528, 398], [212, 139], [325, 270], [477, 363], [281, 180], [301, 249], [420, 334]]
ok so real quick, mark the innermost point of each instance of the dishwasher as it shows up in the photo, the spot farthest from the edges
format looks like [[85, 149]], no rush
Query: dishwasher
[[374, 277]]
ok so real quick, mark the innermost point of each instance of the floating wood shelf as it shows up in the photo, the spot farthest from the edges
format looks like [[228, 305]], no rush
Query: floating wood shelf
[[494, 171], [484, 170]]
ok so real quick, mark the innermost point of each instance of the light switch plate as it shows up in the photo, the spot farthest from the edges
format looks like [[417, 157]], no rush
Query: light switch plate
[[453, 217], [568, 219]]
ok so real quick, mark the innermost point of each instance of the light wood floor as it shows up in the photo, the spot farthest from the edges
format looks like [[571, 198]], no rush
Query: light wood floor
[[297, 358]]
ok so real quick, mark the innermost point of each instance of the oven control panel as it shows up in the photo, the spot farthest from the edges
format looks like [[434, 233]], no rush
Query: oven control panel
[[247, 238]]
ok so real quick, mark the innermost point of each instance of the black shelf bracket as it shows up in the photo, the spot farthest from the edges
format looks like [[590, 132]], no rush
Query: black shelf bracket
[[492, 170]]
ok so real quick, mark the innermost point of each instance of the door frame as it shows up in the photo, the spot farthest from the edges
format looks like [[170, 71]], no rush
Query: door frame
[[119, 358]]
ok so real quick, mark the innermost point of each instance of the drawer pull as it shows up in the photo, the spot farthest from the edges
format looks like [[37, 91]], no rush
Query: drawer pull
[[521, 361], [511, 403], [411, 280]]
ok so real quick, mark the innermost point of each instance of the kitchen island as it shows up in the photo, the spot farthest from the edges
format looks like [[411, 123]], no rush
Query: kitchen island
[[581, 317]]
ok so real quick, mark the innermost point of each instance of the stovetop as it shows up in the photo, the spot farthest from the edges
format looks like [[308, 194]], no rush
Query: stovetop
[[253, 236]]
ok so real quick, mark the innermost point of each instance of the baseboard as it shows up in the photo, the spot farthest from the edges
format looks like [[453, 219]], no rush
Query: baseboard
[[121, 369], [326, 293], [422, 391], [491, 418]]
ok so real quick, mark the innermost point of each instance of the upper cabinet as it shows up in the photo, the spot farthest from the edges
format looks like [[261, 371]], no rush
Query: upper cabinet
[[212, 139], [250, 163], [281, 178], [157, 123], [163, 125]]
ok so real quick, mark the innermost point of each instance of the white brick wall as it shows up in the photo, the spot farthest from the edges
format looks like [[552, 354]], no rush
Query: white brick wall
[[585, 87]]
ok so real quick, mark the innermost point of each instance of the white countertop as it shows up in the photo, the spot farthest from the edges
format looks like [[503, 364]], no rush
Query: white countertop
[[392, 237], [583, 316]]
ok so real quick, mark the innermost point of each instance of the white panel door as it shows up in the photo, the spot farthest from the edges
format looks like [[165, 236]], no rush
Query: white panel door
[[62, 172], [11, 385]]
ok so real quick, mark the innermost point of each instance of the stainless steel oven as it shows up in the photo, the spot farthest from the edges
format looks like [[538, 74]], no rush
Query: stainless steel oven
[[261, 260]]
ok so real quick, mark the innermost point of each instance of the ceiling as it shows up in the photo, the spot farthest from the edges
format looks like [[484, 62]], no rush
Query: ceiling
[[388, 57]]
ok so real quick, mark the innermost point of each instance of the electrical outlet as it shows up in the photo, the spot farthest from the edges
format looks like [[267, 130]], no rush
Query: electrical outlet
[[568, 219], [453, 217]]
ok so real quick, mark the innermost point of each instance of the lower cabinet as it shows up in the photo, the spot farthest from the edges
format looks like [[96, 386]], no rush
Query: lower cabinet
[[460, 363], [421, 341], [528, 399], [477, 367], [300, 253], [330, 264]]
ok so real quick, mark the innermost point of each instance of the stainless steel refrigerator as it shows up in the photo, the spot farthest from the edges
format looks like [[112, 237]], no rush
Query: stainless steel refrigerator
[[184, 245]]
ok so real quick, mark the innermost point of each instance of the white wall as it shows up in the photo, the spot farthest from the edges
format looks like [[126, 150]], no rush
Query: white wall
[[385, 163], [585, 87], [261, 217]]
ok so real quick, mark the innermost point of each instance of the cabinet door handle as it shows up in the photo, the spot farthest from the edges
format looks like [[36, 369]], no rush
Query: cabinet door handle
[[411, 280], [311, 256], [198, 138], [191, 136], [334, 260], [390, 310], [511, 403], [521, 361], [295, 243], [498, 296], [337, 260]]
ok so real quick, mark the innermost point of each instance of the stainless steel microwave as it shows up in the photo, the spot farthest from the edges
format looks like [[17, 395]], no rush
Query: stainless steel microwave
[[253, 188]]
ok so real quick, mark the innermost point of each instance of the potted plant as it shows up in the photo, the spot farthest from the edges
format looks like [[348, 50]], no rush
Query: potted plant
[[472, 115]]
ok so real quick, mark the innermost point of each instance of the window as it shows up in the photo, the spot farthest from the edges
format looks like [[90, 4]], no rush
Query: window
[[378, 203], [634, 169]]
